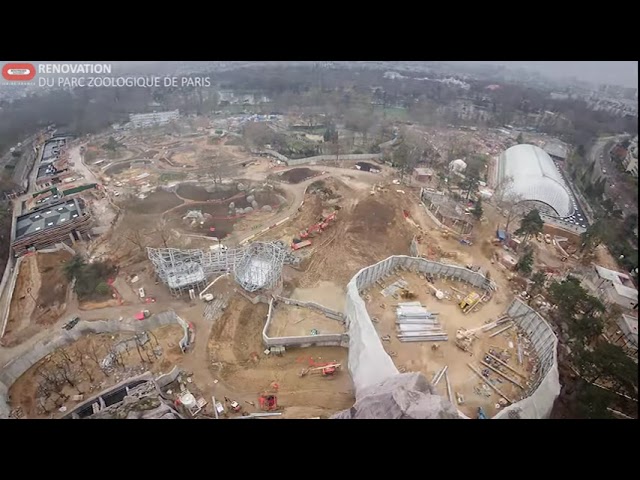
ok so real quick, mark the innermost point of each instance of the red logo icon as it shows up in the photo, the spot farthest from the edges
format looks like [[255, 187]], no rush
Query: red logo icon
[[19, 72]]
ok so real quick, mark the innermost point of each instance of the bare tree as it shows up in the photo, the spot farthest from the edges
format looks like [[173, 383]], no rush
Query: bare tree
[[80, 354], [138, 238], [138, 349], [507, 201], [63, 367], [94, 355], [164, 233]]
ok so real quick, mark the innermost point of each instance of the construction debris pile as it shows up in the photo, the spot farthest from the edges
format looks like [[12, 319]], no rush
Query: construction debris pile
[[465, 337], [415, 324]]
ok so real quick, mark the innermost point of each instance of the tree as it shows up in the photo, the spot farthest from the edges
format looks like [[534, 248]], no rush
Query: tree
[[471, 181], [520, 138], [592, 236], [525, 264], [164, 233], [138, 239], [111, 145], [593, 402], [538, 280], [586, 328], [572, 300], [404, 160], [507, 200], [103, 289], [531, 224], [477, 211], [610, 363], [74, 266]]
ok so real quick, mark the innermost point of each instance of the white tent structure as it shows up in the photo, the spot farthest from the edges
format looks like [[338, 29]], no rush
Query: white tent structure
[[535, 177]]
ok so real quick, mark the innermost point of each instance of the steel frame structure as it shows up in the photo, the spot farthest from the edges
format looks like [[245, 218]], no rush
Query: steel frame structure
[[256, 267]]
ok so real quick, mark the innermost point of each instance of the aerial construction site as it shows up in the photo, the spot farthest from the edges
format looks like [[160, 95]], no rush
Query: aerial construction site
[[213, 280]]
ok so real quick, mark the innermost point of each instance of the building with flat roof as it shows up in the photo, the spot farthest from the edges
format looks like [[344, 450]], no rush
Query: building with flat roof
[[556, 150], [64, 221], [139, 120], [612, 287], [422, 174]]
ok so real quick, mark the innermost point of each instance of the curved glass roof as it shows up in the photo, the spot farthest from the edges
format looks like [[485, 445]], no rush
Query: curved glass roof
[[535, 177]]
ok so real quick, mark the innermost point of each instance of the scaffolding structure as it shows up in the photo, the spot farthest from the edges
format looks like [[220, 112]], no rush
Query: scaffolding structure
[[257, 266], [261, 267]]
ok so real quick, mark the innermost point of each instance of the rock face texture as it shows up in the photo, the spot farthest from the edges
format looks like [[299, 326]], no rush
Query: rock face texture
[[405, 396]]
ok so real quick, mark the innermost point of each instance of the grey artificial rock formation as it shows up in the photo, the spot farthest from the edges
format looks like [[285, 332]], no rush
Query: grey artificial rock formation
[[403, 396]]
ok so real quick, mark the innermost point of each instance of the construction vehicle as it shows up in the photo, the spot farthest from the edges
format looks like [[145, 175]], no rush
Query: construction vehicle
[[319, 227], [327, 370], [234, 406], [71, 323], [470, 301], [268, 402], [299, 245]]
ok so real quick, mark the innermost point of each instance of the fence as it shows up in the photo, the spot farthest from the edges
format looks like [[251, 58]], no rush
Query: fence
[[547, 386], [331, 339], [19, 365], [369, 363]]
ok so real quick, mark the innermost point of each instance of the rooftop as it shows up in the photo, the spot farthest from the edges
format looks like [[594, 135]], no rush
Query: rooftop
[[46, 218], [535, 176], [613, 276], [52, 149], [556, 149], [629, 326], [627, 292]]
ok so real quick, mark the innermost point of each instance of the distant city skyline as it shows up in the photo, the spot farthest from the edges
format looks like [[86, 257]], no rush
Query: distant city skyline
[[620, 73]]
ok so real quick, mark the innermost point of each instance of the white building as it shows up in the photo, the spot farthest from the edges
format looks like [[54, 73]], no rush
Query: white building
[[140, 120], [536, 178], [612, 287]]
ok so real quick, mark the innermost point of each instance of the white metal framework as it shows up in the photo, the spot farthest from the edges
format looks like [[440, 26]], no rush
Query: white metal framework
[[257, 266]]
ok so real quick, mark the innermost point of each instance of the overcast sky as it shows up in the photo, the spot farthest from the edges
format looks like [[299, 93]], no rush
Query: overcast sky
[[609, 72]]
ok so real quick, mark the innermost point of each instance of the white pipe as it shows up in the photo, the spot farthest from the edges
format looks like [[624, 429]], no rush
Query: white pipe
[[211, 284]]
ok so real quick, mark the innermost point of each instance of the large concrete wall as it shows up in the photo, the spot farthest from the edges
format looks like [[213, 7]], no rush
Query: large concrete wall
[[369, 363], [18, 366], [331, 339]]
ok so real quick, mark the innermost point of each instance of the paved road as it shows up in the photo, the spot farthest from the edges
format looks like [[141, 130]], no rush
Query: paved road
[[613, 177]]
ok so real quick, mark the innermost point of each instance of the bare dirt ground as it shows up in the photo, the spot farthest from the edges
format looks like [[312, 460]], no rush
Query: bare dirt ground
[[292, 320], [368, 228], [40, 295], [40, 398], [237, 358], [419, 356], [325, 293], [156, 203]]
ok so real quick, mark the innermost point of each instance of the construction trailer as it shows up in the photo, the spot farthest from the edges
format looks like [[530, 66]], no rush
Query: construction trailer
[[299, 245]]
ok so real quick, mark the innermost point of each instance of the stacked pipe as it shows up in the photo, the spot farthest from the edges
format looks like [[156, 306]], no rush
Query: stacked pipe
[[415, 324]]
